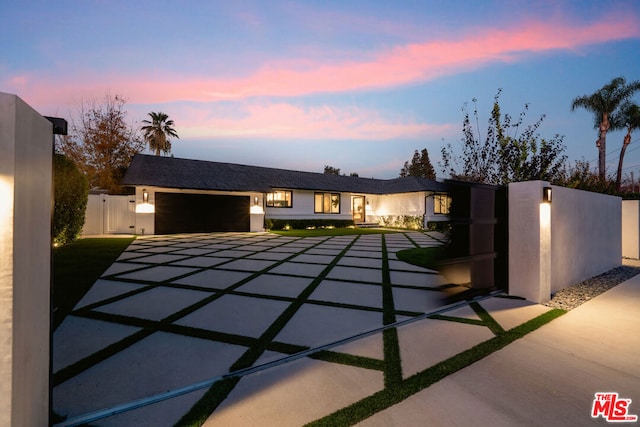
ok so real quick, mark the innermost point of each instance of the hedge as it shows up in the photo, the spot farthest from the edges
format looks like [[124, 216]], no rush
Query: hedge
[[301, 224], [71, 191]]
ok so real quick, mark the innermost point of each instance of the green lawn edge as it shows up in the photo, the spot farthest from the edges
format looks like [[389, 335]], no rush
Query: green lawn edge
[[77, 266], [427, 257], [342, 231], [390, 396]]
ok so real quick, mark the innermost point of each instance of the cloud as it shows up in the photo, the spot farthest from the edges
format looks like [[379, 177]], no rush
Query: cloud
[[290, 122], [390, 67]]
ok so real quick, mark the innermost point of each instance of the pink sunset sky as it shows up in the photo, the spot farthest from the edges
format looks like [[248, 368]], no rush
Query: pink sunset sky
[[301, 85]]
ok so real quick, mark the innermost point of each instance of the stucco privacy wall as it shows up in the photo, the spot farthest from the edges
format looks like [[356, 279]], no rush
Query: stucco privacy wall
[[631, 229], [25, 248], [552, 246], [586, 235]]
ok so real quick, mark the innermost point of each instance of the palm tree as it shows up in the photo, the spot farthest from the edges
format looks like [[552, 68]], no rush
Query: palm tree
[[157, 132], [603, 104], [628, 117]]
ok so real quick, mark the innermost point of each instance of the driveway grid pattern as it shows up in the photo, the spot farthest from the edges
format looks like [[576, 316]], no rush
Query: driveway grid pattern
[[176, 310]]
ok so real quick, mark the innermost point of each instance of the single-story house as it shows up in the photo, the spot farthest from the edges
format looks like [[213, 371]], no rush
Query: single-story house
[[174, 195]]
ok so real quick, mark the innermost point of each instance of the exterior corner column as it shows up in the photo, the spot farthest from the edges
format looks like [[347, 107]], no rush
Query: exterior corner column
[[529, 241]]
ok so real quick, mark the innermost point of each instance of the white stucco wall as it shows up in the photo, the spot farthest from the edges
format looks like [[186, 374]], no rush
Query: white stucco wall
[[552, 246], [631, 229], [303, 207], [25, 250], [404, 204], [398, 204], [586, 235]]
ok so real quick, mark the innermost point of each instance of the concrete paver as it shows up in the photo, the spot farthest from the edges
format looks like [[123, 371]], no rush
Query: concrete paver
[[229, 313], [425, 343], [505, 388], [316, 325], [305, 392], [548, 377], [156, 364]]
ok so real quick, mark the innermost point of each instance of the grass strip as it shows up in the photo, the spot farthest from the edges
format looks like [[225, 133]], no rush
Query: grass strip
[[349, 359], [332, 232], [329, 356], [199, 413], [77, 266], [390, 342], [427, 257], [390, 396], [487, 319], [458, 320], [149, 326], [74, 369]]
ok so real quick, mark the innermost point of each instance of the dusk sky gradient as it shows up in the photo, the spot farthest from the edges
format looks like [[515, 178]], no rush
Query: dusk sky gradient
[[358, 85]]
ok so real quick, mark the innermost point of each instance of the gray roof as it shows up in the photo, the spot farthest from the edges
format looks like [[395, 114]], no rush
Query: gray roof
[[173, 172]]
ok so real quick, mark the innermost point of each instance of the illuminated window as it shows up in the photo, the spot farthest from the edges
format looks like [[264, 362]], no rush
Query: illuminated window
[[279, 199], [326, 203], [441, 204]]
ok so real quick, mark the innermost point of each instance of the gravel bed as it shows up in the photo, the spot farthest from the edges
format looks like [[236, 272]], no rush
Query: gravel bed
[[575, 295]]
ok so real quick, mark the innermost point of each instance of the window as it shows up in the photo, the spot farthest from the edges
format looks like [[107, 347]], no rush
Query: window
[[327, 203], [441, 204], [279, 199]]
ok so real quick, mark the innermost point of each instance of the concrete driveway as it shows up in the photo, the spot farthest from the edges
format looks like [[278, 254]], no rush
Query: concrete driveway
[[181, 309]]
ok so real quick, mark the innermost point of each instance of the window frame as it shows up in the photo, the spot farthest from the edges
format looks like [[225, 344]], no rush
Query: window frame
[[327, 198], [271, 203], [438, 204]]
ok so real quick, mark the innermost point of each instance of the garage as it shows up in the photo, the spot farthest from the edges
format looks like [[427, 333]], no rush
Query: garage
[[200, 213]]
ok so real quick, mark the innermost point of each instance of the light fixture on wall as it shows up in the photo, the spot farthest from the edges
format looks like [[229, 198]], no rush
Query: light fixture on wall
[[546, 195], [145, 206], [256, 208]]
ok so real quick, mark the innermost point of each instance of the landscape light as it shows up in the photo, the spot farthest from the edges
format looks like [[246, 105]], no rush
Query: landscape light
[[546, 195]]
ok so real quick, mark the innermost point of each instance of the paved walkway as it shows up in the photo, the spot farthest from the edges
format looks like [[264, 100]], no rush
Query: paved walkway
[[177, 310]]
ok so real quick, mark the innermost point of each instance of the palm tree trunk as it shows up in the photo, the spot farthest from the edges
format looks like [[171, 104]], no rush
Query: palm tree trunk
[[627, 140], [602, 146]]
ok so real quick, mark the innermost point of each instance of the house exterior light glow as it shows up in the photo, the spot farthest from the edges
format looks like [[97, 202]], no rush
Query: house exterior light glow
[[183, 195]]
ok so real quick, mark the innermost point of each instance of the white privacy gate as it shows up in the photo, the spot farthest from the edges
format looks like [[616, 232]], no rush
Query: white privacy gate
[[108, 214]]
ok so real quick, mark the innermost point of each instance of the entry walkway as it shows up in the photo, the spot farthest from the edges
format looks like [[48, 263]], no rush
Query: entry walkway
[[177, 310]]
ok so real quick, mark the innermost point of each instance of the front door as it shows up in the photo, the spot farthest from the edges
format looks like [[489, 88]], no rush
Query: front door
[[359, 214]]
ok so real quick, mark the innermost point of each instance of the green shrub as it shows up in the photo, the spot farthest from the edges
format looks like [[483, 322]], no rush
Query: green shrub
[[301, 224], [71, 190], [412, 222], [442, 226]]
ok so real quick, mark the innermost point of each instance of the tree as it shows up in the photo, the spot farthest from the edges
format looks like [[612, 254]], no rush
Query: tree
[[603, 104], [505, 155], [581, 177], [420, 166], [71, 189], [157, 132], [629, 117], [101, 143], [330, 170]]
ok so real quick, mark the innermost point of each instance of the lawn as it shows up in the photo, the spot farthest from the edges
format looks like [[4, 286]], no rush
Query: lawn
[[340, 231], [77, 266], [423, 257]]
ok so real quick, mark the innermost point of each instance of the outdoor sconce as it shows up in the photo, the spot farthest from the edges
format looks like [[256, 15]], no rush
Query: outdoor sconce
[[145, 196], [256, 208], [546, 195]]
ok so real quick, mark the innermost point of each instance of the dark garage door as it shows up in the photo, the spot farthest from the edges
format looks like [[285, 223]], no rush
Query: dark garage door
[[200, 213]]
